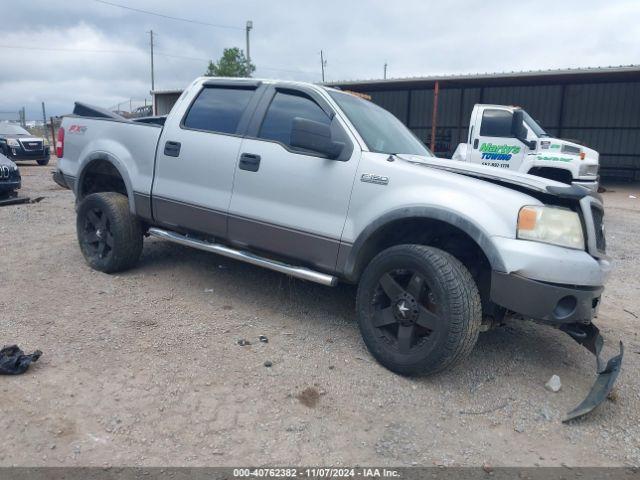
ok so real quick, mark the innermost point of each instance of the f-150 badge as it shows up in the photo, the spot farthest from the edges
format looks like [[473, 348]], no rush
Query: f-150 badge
[[377, 179]]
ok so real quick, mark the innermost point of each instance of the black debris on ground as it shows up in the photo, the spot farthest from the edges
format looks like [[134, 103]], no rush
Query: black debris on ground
[[13, 361]]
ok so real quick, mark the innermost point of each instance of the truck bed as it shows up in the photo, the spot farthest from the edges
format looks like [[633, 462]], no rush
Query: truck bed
[[129, 145]]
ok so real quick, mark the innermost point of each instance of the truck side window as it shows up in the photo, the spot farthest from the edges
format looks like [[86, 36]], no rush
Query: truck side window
[[496, 123], [283, 109], [218, 109]]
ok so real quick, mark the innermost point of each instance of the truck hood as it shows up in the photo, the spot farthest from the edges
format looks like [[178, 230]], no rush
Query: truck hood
[[5, 161], [569, 149], [516, 180], [20, 136], [529, 182]]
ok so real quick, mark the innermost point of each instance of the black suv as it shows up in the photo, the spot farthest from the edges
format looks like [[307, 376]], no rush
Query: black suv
[[18, 144], [10, 180]]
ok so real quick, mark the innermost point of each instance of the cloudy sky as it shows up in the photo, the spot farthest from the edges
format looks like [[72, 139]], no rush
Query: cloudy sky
[[98, 53]]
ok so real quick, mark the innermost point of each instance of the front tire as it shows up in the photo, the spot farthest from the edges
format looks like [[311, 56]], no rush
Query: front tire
[[43, 162], [419, 309], [110, 237]]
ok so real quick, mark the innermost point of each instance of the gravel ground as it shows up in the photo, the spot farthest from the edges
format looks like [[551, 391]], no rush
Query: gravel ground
[[143, 368]]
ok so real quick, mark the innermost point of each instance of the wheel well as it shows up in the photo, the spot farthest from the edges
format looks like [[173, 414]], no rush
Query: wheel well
[[557, 174], [435, 233], [101, 176]]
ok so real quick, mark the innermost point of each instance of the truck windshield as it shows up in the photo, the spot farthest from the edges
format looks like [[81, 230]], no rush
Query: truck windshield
[[533, 125], [381, 131]]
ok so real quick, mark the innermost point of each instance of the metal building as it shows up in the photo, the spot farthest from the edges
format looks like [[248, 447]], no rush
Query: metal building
[[598, 107], [163, 100]]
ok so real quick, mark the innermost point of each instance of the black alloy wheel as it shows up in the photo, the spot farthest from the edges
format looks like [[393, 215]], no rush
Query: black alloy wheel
[[97, 233], [406, 311], [419, 309]]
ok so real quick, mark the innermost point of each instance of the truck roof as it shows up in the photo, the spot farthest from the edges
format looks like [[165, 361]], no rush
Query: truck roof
[[269, 81], [493, 105]]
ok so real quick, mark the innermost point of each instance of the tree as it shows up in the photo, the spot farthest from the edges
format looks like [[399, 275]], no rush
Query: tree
[[233, 63]]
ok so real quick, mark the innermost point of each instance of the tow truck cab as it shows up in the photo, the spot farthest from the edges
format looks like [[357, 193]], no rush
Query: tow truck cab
[[508, 137]]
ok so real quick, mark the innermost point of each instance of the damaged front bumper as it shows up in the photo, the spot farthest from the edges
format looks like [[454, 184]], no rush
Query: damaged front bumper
[[589, 337], [543, 301]]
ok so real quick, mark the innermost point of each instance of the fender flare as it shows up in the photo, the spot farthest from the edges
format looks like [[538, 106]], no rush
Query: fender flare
[[117, 164], [351, 264]]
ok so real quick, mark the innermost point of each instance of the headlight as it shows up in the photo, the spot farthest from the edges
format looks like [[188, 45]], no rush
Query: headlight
[[554, 225], [588, 169], [12, 142]]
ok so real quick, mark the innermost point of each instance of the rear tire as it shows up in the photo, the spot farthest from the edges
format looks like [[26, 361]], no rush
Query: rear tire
[[419, 309], [110, 237]]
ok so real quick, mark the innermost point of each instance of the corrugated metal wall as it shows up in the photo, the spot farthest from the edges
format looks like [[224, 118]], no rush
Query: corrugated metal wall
[[164, 102], [603, 116]]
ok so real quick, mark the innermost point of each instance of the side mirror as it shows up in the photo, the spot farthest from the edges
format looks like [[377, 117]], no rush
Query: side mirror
[[519, 131], [314, 136]]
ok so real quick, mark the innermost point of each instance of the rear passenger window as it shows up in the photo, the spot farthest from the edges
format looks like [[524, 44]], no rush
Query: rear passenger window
[[496, 123], [283, 109], [218, 109]]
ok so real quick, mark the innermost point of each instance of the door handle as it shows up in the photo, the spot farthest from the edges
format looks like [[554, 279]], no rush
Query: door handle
[[249, 162], [172, 149], [475, 143]]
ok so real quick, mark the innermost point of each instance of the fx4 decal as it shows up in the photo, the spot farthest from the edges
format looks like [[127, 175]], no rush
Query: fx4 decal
[[77, 129]]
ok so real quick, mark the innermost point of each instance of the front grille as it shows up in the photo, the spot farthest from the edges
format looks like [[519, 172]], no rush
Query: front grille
[[598, 224], [31, 146], [8, 175]]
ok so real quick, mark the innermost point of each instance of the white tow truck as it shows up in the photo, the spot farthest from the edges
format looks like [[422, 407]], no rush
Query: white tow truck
[[507, 137]]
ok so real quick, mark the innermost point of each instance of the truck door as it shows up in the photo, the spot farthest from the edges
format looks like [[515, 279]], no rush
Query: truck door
[[290, 202], [197, 156], [492, 142]]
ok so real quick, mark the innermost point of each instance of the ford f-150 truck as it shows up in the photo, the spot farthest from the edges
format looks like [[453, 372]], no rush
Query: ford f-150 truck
[[325, 186], [507, 137]]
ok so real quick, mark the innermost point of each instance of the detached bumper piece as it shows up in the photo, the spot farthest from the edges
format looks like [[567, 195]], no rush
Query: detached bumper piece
[[589, 337], [13, 200]]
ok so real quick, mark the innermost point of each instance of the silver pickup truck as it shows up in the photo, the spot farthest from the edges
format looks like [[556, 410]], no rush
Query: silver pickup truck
[[322, 185]]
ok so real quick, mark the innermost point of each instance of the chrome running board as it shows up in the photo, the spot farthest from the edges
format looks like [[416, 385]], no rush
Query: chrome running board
[[298, 272]]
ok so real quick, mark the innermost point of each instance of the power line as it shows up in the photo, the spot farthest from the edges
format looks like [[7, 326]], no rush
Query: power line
[[88, 50], [138, 52], [57, 49], [139, 10]]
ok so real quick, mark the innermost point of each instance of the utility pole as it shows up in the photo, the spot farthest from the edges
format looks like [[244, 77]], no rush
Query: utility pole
[[385, 70], [53, 135], [248, 29], [153, 82], [323, 62], [44, 122]]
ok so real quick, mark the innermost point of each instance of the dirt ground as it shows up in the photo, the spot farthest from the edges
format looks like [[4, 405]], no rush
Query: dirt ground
[[144, 368]]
